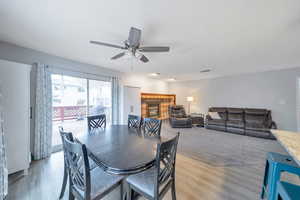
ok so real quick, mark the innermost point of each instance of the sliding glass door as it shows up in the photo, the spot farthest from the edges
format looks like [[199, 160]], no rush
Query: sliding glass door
[[100, 99], [75, 98]]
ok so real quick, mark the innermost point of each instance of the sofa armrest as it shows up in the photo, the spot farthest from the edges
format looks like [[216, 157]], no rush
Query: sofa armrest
[[273, 125], [208, 117]]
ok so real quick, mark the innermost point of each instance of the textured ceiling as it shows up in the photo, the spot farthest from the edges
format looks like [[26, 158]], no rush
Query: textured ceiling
[[231, 37]]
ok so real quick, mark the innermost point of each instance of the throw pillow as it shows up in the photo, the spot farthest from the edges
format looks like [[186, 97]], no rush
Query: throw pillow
[[214, 115]]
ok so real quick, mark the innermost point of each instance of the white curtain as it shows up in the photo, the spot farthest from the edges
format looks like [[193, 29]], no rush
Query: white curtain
[[43, 113], [3, 163], [115, 85]]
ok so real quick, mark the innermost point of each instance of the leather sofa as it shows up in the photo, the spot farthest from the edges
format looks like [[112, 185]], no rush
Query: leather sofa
[[244, 121], [217, 124], [178, 117]]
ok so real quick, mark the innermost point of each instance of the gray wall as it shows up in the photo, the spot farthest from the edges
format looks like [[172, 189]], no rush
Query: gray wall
[[29, 56], [274, 90]]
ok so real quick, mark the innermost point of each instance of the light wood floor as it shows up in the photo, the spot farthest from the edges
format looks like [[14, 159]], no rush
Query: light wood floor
[[196, 178]]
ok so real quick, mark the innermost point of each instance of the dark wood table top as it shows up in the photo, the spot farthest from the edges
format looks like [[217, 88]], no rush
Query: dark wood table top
[[120, 150]]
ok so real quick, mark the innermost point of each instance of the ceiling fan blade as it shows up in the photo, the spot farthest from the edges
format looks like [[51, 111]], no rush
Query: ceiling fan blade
[[154, 49], [134, 37], [106, 44], [144, 59], [118, 56]]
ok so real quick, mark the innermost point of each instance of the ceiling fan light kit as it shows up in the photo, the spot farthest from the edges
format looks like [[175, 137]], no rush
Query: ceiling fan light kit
[[132, 46]]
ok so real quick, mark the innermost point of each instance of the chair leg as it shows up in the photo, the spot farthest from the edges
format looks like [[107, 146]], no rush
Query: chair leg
[[278, 197], [64, 184], [121, 191], [71, 196], [275, 177], [129, 196], [127, 188], [173, 190], [265, 182]]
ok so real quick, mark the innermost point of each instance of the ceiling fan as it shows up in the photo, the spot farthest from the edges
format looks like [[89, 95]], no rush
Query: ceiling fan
[[132, 46]]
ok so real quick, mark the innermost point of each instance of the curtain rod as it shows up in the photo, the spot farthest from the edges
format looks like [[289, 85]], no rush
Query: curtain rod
[[77, 71]]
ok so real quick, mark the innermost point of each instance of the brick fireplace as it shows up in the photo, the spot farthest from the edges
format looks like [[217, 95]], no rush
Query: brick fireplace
[[156, 105]]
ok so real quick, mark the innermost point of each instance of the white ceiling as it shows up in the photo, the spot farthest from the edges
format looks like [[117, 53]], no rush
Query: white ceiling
[[231, 37]]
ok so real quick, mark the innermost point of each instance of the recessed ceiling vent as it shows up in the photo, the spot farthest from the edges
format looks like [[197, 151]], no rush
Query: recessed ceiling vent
[[205, 70]]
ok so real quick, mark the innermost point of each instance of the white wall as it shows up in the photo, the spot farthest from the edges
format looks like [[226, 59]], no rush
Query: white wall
[[274, 90], [145, 83]]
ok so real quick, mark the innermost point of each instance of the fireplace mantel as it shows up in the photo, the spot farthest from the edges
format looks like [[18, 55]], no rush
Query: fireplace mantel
[[158, 104]]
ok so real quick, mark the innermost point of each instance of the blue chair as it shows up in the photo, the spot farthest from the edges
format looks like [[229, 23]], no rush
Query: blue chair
[[287, 191], [275, 164]]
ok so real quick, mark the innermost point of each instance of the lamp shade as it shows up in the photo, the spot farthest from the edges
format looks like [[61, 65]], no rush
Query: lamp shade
[[190, 99]]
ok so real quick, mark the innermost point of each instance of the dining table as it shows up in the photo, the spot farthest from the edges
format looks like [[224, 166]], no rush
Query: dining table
[[121, 150]]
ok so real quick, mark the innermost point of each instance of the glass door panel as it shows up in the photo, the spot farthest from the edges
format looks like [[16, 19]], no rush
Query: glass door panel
[[100, 99], [69, 97]]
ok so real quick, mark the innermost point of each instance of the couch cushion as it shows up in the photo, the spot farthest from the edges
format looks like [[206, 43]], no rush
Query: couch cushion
[[219, 122], [221, 111], [261, 134], [235, 114], [178, 115], [235, 123], [235, 110], [257, 126], [254, 111], [177, 111], [179, 121], [255, 118], [217, 109], [214, 115], [256, 115]]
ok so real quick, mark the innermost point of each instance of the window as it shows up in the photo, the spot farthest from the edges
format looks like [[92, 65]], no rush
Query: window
[[73, 99], [100, 98]]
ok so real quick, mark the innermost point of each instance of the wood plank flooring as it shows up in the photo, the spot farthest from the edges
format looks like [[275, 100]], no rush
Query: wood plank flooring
[[195, 177]]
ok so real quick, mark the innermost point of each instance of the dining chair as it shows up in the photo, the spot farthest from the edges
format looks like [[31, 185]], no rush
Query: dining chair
[[134, 121], [151, 127], [276, 164], [155, 182], [96, 121], [86, 184], [287, 191], [66, 166]]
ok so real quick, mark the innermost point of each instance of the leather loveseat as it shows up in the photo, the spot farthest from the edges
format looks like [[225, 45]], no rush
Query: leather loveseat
[[244, 121], [178, 117]]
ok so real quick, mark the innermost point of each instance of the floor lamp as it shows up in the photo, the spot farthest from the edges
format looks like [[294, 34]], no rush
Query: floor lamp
[[189, 100]]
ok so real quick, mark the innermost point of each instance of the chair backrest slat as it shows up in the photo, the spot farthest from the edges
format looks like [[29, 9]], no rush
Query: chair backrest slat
[[96, 122], [165, 161], [69, 136], [79, 168], [134, 121], [151, 127]]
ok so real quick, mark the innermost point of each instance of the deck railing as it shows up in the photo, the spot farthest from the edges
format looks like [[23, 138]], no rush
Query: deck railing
[[61, 113]]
